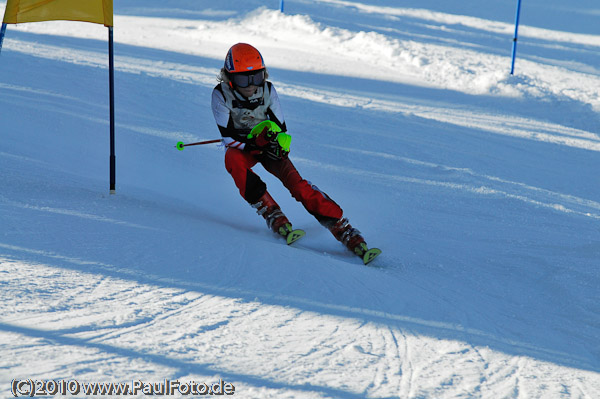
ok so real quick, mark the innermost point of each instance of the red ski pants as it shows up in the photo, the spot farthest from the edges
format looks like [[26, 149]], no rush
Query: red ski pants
[[239, 164]]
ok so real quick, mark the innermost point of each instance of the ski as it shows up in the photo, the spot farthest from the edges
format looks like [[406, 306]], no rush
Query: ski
[[370, 255], [291, 236], [294, 236]]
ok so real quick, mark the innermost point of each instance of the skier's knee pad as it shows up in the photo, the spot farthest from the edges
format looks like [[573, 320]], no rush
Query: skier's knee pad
[[255, 187]]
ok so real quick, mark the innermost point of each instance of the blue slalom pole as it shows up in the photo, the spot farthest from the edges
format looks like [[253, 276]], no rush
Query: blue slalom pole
[[2, 32], [514, 46], [281, 5]]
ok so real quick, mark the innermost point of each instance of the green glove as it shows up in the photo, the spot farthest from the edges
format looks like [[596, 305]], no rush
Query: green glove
[[268, 132]]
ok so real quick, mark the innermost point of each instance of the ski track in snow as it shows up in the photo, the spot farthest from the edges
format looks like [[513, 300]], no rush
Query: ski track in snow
[[123, 325], [499, 124], [384, 58], [501, 188], [471, 118]]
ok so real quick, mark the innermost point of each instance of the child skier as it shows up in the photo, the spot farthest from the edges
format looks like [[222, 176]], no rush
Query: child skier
[[248, 114]]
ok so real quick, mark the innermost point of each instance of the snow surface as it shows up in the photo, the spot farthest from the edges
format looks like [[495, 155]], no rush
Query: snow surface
[[481, 188]]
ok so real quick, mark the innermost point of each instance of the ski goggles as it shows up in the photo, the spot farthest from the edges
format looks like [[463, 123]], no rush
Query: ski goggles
[[246, 79]]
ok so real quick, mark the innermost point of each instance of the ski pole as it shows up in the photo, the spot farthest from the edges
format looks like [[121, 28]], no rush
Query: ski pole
[[180, 144]]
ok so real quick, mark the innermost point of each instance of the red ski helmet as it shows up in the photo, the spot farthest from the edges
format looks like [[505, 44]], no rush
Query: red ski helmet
[[243, 57]]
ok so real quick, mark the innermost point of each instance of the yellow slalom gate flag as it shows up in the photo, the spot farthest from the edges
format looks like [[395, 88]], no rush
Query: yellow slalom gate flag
[[96, 11]]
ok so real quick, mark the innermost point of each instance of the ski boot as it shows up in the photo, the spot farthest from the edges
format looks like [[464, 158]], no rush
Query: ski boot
[[275, 218], [352, 239]]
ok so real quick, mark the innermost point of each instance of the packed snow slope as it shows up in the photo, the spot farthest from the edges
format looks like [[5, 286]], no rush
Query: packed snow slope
[[481, 188]]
